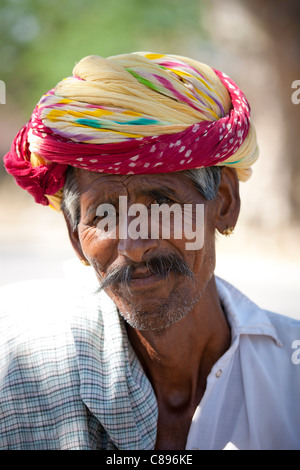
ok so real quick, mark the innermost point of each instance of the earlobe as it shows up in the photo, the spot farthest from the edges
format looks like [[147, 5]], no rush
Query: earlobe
[[229, 201], [74, 238]]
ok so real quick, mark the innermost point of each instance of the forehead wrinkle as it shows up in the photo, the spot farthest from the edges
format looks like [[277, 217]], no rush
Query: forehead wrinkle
[[161, 185], [159, 191], [102, 184], [89, 178], [99, 191], [172, 185]]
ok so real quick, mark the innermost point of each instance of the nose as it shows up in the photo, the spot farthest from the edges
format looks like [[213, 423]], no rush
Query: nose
[[137, 250]]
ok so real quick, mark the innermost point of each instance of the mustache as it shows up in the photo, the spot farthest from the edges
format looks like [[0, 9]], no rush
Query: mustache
[[161, 266]]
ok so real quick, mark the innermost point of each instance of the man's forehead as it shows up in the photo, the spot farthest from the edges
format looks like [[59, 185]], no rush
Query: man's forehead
[[88, 179]]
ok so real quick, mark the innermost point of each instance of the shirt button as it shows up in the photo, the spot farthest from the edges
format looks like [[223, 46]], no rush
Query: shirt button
[[219, 373]]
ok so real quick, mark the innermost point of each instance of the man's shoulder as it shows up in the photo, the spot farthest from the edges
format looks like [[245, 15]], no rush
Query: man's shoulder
[[43, 299], [39, 316], [39, 374], [40, 313], [35, 302], [269, 342], [34, 317], [250, 315]]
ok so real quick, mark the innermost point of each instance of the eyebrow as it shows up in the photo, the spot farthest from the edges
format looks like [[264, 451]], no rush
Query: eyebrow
[[152, 192], [93, 207], [161, 191]]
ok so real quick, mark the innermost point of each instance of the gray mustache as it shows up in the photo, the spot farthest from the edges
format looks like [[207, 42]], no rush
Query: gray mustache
[[160, 266]]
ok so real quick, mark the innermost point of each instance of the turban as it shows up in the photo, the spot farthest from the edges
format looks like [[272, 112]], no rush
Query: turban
[[133, 114]]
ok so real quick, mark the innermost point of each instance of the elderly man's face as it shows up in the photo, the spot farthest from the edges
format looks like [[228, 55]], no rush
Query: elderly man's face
[[155, 295]]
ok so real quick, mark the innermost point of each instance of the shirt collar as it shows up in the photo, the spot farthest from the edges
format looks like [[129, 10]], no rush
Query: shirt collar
[[244, 316]]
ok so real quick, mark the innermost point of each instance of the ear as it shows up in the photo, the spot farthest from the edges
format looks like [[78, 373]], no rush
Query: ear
[[228, 198], [74, 238]]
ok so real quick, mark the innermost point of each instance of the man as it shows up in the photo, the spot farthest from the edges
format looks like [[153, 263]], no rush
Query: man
[[162, 355]]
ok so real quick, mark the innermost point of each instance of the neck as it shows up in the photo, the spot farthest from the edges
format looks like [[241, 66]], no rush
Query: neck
[[178, 359]]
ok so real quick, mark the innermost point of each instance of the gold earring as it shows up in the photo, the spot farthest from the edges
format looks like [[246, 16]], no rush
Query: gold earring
[[228, 231], [85, 262]]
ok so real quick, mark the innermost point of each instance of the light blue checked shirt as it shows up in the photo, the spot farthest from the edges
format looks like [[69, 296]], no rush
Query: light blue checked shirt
[[69, 378]]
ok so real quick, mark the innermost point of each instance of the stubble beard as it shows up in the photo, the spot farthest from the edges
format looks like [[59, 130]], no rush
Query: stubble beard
[[161, 317]]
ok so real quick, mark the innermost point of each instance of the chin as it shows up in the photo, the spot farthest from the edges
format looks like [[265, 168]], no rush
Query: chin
[[158, 314]]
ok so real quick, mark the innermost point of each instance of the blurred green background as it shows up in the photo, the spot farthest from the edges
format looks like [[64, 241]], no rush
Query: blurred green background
[[42, 40], [256, 42]]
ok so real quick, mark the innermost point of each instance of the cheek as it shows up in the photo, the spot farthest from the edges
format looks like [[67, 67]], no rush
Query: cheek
[[99, 249]]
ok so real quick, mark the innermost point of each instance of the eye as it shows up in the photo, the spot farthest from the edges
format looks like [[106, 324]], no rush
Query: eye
[[162, 200], [97, 218]]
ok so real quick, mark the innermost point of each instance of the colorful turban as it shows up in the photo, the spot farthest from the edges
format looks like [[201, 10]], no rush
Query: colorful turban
[[133, 114]]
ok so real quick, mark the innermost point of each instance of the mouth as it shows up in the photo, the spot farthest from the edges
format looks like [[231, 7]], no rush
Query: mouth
[[141, 273], [143, 278], [149, 275]]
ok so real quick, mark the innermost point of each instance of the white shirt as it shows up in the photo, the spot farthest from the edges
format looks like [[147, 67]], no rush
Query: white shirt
[[252, 398]]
